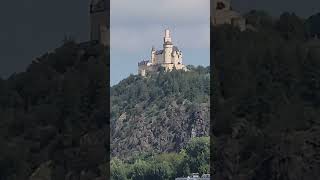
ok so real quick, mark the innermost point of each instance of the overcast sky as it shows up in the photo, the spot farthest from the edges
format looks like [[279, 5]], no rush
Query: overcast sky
[[136, 27], [29, 28], [303, 8]]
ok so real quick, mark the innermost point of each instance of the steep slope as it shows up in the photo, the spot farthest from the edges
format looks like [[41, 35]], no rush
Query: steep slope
[[159, 113], [53, 121], [266, 124]]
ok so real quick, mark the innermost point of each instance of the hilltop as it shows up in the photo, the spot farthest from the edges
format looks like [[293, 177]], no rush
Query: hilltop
[[54, 121], [160, 112], [266, 119]]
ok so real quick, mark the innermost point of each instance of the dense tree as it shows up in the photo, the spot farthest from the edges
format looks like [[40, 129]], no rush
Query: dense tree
[[140, 170], [266, 101], [165, 166], [118, 170], [198, 155], [313, 25], [55, 113], [259, 19], [291, 26], [158, 111]]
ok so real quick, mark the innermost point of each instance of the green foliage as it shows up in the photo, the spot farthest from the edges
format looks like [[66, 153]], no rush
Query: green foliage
[[267, 100], [165, 166], [140, 170], [198, 155], [193, 85], [313, 25], [291, 26], [52, 108], [259, 19], [118, 170]]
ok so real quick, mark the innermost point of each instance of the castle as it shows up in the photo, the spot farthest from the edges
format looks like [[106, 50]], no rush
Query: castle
[[169, 57], [99, 21], [223, 14]]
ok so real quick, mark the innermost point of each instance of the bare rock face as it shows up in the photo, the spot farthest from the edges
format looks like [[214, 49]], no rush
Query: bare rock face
[[167, 132], [160, 122]]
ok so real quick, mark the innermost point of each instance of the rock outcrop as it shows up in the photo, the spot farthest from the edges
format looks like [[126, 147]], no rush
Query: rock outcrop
[[160, 123]]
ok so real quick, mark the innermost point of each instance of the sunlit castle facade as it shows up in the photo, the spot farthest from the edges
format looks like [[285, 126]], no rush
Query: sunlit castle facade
[[169, 57]]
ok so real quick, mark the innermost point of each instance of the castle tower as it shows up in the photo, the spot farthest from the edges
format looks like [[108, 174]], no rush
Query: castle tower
[[167, 37], [170, 57], [98, 21], [167, 47], [153, 55]]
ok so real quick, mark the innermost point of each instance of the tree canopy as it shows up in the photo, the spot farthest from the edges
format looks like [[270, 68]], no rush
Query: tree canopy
[[266, 99], [166, 166]]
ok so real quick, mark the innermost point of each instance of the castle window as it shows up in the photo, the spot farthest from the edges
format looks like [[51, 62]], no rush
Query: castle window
[[220, 5]]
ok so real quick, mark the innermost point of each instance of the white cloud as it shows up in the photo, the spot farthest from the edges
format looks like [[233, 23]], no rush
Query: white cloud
[[132, 39], [139, 24], [181, 11]]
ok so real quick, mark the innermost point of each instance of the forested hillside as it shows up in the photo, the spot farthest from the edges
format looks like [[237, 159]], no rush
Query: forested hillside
[[266, 120], [53, 117], [158, 113], [194, 157]]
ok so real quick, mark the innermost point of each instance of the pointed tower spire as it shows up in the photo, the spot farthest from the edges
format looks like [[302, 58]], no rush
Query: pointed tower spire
[[167, 37]]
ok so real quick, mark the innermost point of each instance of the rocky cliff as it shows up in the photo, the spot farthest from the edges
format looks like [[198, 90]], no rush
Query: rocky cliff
[[159, 113]]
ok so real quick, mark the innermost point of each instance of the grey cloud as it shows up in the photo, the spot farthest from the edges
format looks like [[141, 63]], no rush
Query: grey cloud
[[150, 11], [136, 26], [133, 39]]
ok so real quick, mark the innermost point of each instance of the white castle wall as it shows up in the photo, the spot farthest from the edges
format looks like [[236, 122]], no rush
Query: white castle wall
[[170, 58]]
